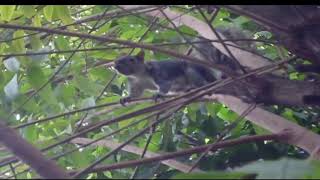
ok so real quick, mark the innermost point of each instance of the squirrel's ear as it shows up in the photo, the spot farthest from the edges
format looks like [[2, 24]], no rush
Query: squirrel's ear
[[140, 55]]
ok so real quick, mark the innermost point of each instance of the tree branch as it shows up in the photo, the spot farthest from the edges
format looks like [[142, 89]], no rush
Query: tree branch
[[30, 155]]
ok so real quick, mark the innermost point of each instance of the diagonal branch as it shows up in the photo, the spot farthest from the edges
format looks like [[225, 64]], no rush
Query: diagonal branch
[[29, 154]]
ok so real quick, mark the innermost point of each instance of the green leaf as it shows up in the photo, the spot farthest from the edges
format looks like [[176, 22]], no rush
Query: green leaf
[[62, 43], [65, 93], [63, 14], [104, 54], [12, 64], [35, 42], [241, 20], [211, 175], [37, 78], [87, 86], [103, 29], [31, 133], [31, 106], [226, 114], [36, 21], [281, 169], [7, 12], [81, 159], [48, 11], [100, 73], [288, 114], [19, 44], [28, 10], [213, 108]]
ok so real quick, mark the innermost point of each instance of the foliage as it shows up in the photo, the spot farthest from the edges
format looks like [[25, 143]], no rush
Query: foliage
[[81, 83]]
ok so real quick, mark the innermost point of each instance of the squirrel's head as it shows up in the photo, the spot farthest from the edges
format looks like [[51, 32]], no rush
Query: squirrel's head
[[130, 65]]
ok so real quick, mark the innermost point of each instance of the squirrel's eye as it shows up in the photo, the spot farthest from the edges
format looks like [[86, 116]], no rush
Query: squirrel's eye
[[132, 59]]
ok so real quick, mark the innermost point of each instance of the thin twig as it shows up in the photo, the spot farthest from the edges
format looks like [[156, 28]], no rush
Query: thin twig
[[152, 129]]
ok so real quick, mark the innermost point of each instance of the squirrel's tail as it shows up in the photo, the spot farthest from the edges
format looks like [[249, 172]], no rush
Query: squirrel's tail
[[206, 51]]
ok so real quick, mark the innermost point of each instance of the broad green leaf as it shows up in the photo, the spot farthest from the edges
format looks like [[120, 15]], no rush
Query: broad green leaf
[[19, 44], [107, 174], [296, 76], [3, 47], [81, 159], [280, 169], [213, 108], [62, 43], [103, 29], [11, 89], [85, 85], [65, 93], [211, 175], [35, 42], [63, 14], [104, 54], [28, 10], [31, 106], [241, 20], [12, 64], [227, 115], [36, 20], [7, 12], [48, 11], [220, 18], [31, 133], [37, 78], [100, 73], [288, 114]]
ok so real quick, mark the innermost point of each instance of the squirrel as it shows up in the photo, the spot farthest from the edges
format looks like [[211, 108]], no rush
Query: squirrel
[[171, 77], [163, 77]]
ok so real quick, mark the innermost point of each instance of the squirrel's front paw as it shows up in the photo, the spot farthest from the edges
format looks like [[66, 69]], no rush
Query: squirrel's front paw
[[123, 101], [157, 96]]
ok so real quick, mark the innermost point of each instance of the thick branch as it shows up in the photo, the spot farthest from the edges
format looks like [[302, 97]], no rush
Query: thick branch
[[30, 155]]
